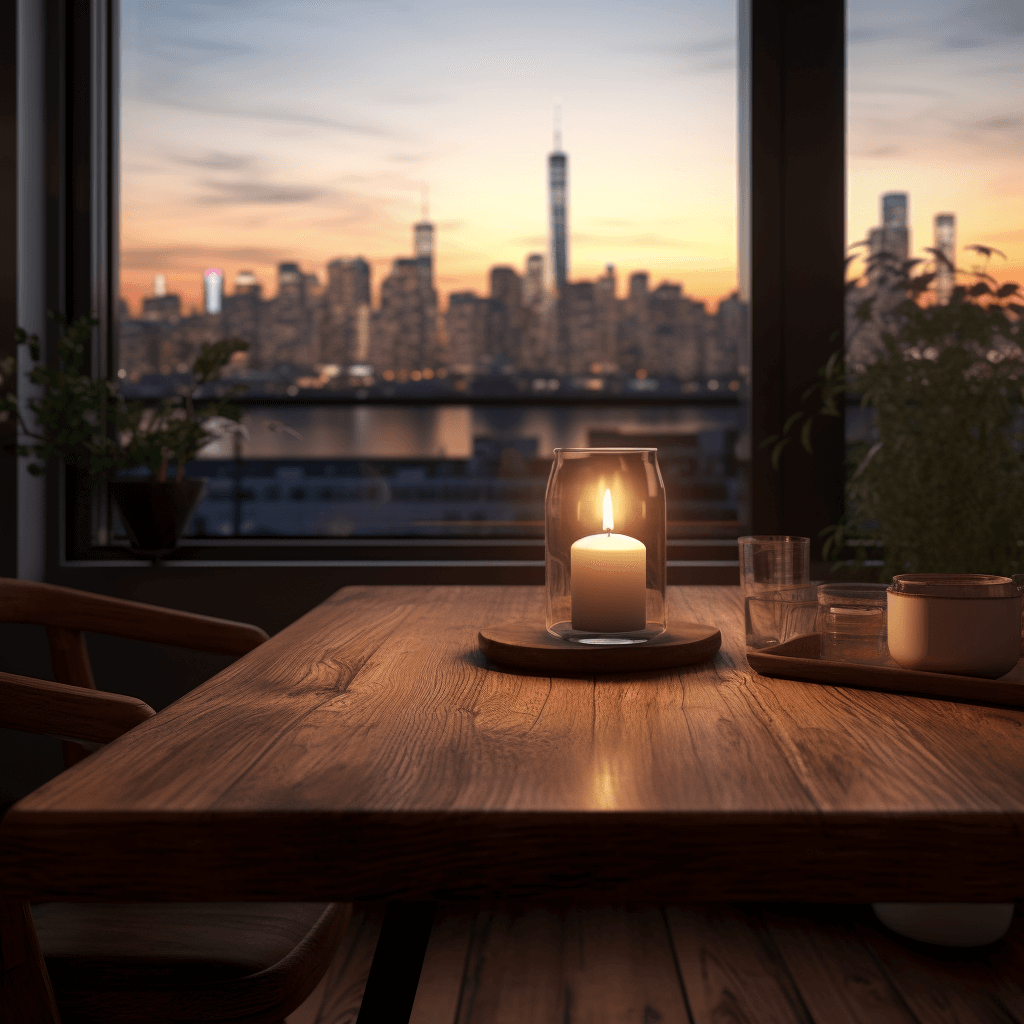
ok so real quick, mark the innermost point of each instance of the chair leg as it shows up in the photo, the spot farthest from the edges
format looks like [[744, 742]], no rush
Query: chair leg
[[25, 992]]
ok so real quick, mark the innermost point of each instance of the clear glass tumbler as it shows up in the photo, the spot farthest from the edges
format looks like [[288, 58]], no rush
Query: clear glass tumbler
[[770, 566], [604, 545], [775, 616], [852, 620]]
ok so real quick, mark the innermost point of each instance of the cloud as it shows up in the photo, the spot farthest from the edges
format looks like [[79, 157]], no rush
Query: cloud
[[280, 115], [1007, 123], [250, 192], [642, 240], [1010, 235], [188, 257], [215, 161], [531, 241]]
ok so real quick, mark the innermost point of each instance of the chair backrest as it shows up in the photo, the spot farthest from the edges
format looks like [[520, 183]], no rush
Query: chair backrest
[[68, 613]]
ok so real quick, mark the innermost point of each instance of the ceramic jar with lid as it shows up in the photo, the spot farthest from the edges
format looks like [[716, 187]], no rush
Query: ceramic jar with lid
[[959, 623]]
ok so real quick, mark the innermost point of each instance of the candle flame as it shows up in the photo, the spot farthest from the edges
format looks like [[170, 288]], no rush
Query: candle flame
[[609, 524]]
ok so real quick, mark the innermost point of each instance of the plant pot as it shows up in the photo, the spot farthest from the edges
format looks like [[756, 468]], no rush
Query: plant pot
[[155, 514]]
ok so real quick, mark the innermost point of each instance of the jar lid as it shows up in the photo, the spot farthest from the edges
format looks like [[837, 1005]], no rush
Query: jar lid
[[960, 585]]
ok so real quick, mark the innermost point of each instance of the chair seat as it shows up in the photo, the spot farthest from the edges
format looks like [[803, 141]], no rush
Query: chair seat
[[185, 961]]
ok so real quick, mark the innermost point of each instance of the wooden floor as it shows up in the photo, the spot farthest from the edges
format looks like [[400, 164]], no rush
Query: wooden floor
[[705, 964]]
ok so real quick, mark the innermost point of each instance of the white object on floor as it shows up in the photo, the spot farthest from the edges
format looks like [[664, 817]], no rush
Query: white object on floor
[[947, 924]]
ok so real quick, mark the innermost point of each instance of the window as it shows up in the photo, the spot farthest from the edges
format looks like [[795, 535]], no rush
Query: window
[[791, 90], [455, 236], [935, 142]]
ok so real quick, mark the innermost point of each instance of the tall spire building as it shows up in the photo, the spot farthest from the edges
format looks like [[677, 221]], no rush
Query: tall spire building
[[558, 188]]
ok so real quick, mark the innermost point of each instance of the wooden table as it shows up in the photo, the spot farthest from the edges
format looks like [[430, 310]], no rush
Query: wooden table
[[368, 752]]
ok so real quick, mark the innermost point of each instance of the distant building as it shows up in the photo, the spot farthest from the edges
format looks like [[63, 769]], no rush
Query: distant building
[[945, 243], [466, 329], [580, 330], [404, 332], [533, 280], [159, 286], [345, 312], [287, 336], [893, 235], [243, 313], [161, 307], [505, 318], [726, 350], [247, 284], [558, 188], [606, 357], [213, 290]]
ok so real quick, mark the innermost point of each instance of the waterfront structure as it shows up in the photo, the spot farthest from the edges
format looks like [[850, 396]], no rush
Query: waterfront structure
[[945, 243]]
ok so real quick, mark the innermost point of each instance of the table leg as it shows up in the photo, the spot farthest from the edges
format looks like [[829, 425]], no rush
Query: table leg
[[397, 962], [25, 992]]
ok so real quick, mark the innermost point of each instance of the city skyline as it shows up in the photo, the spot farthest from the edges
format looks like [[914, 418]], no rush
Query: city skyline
[[249, 141]]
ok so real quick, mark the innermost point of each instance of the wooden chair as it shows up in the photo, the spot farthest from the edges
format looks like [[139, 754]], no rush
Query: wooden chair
[[247, 963]]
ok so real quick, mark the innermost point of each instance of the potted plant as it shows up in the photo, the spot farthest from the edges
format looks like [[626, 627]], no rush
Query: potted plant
[[94, 430], [939, 487]]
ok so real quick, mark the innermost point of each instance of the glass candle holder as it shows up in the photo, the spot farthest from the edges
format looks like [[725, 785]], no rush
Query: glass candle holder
[[604, 545]]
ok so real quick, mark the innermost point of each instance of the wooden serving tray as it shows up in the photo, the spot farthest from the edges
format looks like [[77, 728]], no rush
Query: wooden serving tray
[[531, 648], [800, 658]]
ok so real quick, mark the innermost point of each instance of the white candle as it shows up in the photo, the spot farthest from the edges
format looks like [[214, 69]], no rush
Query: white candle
[[608, 573]]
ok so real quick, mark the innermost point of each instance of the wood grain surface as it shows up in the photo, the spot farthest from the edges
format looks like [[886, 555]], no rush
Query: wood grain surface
[[529, 647], [368, 751], [800, 658], [693, 964]]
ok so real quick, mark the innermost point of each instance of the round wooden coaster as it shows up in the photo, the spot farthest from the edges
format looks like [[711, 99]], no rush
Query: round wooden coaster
[[533, 649]]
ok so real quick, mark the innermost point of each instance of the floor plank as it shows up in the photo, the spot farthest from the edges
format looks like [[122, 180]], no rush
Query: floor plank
[[575, 966], [730, 968], [946, 986], [699, 964], [838, 979]]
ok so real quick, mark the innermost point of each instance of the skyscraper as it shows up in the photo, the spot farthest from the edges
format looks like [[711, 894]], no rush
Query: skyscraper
[[893, 236], [423, 240], [423, 244], [945, 242], [558, 187], [213, 290], [533, 282], [345, 312]]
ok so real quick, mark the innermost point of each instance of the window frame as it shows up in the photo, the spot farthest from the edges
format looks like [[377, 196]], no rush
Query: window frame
[[792, 230]]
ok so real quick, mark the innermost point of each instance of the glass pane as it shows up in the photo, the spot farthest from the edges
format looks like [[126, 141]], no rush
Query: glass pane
[[934, 173], [413, 211]]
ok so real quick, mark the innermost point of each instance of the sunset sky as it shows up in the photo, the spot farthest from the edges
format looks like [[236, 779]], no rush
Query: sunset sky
[[255, 132]]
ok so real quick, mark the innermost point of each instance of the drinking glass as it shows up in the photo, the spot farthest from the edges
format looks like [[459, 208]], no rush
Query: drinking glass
[[775, 616], [774, 578], [852, 620]]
